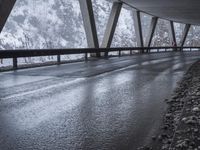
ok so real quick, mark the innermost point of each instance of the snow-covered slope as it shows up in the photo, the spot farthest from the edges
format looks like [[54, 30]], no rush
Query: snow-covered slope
[[44, 24]]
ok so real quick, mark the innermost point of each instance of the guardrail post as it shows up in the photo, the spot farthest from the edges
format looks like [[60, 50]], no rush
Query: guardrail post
[[15, 63], [86, 56], [58, 59], [119, 53]]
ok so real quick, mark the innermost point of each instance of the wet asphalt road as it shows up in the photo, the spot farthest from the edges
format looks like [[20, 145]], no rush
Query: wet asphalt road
[[114, 104]]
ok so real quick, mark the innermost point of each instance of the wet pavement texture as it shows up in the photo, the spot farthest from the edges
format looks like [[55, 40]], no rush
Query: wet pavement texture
[[109, 104]]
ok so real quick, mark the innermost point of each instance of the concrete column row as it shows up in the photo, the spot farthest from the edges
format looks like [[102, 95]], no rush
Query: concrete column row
[[91, 33]]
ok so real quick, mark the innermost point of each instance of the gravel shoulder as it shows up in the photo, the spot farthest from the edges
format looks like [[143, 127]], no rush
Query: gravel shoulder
[[181, 123]]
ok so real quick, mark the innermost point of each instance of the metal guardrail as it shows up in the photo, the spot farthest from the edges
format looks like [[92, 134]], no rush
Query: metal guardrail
[[14, 54]]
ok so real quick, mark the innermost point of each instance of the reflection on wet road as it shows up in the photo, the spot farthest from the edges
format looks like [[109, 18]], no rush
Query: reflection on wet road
[[109, 104]]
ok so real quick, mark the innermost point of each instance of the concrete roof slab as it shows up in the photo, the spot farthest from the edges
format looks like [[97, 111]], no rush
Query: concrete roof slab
[[184, 11]]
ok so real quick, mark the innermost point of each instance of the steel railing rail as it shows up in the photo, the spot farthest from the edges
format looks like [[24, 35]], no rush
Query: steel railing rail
[[48, 52], [17, 53]]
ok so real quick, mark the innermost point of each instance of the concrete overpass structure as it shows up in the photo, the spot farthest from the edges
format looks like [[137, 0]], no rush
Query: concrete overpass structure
[[114, 103]]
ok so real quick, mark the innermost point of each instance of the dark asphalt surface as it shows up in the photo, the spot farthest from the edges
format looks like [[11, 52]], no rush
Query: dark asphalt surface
[[114, 104]]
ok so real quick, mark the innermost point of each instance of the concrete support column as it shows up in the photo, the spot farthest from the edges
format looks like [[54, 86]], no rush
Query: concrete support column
[[111, 25], [89, 24], [6, 7], [152, 28], [172, 35], [138, 28], [184, 36]]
